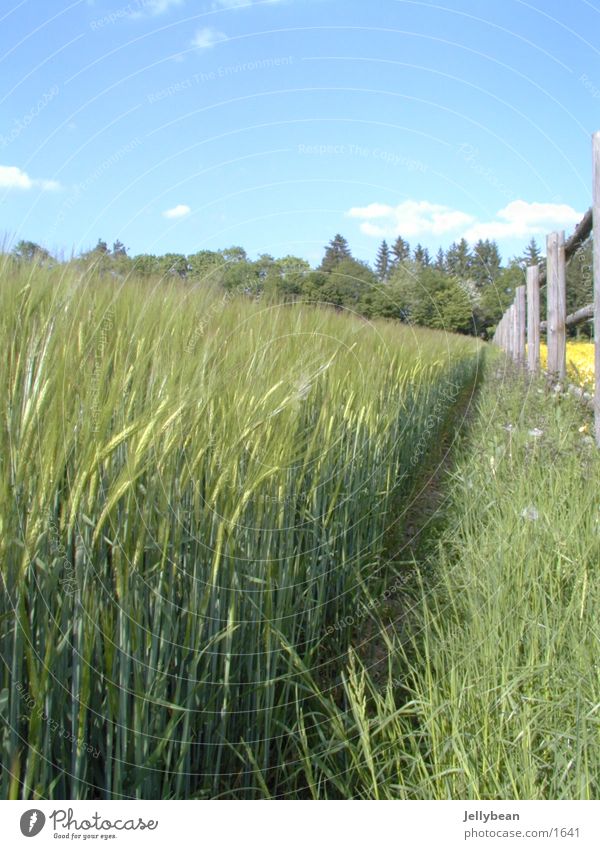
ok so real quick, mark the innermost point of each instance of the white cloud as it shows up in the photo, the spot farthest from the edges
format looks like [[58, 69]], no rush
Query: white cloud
[[12, 177], [207, 37], [179, 211], [520, 219], [410, 218], [414, 218]]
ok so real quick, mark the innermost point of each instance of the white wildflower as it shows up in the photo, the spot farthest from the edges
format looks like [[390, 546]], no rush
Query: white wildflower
[[530, 513]]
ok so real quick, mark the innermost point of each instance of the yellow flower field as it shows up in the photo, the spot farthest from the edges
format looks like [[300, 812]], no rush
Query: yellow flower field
[[580, 363]]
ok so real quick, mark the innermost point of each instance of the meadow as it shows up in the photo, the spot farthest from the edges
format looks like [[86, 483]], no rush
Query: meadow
[[199, 498], [493, 691]]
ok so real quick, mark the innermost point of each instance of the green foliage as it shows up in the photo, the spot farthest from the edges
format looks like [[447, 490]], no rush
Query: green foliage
[[287, 278], [459, 260], [467, 291], [486, 264], [347, 284], [384, 300], [421, 256], [145, 265], [106, 261], [336, 252], [119, 249], [532, 254], [495, 298], [172, 265], [400, 251], [243, 276], [26, 251], [430, 298], [383, 262], [580, 286], [206, 265], [234, 254]]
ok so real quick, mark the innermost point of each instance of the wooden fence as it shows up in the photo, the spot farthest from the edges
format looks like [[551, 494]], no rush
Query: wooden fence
[[520, 328]]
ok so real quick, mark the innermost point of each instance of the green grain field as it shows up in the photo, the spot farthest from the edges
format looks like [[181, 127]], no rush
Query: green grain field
[[197, 492]]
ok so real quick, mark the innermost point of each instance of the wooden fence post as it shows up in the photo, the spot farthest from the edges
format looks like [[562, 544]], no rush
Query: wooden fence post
[[557, 305], [513, 331], [533, 318], [520, 319], [596, 242]]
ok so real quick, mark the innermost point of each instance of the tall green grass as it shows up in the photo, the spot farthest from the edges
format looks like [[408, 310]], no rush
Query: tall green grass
[[494, 691], [195, 488]]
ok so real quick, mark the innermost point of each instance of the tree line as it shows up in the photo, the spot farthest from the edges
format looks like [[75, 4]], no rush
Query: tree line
[[464, 289]]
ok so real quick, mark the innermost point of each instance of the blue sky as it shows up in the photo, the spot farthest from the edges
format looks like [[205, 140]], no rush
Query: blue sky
[[183, 125]]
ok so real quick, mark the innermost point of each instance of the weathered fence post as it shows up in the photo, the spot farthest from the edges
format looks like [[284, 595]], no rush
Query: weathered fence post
[[520, 319], [557, 305], [596, 242], [512, 330], [533, 318]]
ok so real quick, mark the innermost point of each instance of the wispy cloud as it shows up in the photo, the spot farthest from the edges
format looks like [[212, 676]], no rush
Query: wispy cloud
[[240, 4], [154, 7], [420, 218], [410, 218], [207, 37], [12, 177], [179, 211]]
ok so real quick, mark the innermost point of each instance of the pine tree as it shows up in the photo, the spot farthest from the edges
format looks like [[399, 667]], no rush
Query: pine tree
[[336, 251], [400, 251], [532, 253], [382, 263], [421, 256], [458, 259], [440, 260], [119, 249], [486, 262]]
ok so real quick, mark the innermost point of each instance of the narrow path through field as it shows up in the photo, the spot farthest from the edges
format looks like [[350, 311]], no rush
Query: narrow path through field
[[412, 536]]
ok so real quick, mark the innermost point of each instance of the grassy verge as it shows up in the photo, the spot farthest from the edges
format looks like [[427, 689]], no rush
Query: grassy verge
[[496, 691]]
